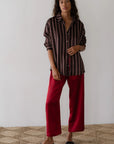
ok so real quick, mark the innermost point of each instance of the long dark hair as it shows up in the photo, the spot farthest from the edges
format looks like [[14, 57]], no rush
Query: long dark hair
[[74, 10]]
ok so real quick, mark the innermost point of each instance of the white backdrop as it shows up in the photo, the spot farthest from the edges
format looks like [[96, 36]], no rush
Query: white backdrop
[[24, 63]]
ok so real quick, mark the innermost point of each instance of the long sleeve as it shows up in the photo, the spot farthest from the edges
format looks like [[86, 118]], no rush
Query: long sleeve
[[47, 43], [83, 39]]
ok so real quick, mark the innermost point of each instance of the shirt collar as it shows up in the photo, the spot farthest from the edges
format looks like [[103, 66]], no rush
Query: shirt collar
[[60, 18]]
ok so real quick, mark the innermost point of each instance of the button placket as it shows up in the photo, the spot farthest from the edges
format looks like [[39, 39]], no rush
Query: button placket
[[67, 57], [67, 46]]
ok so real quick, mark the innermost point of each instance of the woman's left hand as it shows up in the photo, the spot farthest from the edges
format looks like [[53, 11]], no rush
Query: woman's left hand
[[74, 49]]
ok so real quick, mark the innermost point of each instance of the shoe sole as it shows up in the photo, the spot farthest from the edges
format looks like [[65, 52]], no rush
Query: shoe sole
[[69, 142]]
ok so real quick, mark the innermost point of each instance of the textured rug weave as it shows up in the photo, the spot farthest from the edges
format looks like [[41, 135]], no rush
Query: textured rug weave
[[93, 134]]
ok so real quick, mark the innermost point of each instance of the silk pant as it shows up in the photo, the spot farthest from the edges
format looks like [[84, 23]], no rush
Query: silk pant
[[76, 104]]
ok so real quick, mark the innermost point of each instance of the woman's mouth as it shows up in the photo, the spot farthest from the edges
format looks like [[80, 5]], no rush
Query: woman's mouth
[[64, 8]]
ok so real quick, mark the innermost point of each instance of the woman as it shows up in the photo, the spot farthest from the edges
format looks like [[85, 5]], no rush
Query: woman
[[64, 40]]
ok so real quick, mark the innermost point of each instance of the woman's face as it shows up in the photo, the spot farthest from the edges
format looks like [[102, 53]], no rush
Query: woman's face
[[65, 5]]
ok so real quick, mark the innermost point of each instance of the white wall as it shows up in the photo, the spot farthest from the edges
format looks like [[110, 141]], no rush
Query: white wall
[[24, 64]]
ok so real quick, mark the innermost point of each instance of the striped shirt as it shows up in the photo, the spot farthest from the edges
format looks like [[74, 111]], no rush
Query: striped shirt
[[59, 40]]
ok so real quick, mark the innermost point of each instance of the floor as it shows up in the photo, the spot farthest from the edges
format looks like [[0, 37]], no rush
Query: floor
[[93, 134]]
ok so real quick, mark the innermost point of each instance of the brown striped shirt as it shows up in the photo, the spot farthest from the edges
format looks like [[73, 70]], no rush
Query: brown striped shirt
[[59, 40]]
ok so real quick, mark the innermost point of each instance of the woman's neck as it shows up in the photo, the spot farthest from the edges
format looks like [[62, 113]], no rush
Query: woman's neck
[[66, 16]]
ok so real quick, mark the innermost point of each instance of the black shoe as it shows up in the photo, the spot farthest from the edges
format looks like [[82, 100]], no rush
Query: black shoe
[[69, 142]]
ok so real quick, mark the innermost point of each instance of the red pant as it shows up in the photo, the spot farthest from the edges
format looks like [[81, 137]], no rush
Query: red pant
[[76, 104]]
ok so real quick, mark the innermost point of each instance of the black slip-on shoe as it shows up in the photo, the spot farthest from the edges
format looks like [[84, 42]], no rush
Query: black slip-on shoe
[[69, 142]]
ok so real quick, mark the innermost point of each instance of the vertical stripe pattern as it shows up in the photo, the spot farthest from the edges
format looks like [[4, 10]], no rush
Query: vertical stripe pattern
[[59, 40]]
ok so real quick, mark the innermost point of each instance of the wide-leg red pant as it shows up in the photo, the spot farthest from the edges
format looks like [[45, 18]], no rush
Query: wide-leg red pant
[[76, 104]]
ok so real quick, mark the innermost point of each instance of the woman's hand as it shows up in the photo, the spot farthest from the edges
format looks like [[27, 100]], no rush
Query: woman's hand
[[56, 74], [74, 49]]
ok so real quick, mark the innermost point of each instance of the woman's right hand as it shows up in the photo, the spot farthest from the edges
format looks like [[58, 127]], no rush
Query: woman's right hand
[[56, 74]]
